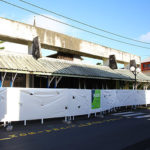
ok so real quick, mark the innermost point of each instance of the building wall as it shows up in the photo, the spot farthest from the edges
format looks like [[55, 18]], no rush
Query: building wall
[[145, 67]]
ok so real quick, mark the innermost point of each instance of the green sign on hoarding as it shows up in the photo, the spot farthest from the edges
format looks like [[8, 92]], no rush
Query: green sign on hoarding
[[96, 99]]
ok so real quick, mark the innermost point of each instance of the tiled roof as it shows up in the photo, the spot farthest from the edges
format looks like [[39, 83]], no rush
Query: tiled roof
[[49, 66]]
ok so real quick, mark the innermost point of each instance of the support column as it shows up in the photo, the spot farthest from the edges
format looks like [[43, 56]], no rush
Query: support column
[[32, 81], [55, 83], [3, 78], [84, 83], [117, 84], [48, 80], [31, 78], [27, 80], [30, 45], [57, 80], [127, 85], [126, 65], [79, 84], [102, 85], [106, 62], [11, 81], [133, 86]]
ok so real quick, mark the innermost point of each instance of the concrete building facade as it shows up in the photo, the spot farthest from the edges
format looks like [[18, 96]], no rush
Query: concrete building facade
[[33, 70]]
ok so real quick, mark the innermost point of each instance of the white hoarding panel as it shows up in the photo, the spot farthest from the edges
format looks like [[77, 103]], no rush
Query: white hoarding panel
[[27, 104]]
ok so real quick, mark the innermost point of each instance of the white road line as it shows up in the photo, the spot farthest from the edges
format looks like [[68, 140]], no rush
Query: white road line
[[133, 114], [122, 113], [144, 116]]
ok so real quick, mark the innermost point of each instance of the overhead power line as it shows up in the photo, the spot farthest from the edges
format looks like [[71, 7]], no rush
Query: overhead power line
[[72, 25], [82, 22]]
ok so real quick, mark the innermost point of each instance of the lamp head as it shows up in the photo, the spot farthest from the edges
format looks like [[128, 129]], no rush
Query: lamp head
[[138, 70], [132, 68]]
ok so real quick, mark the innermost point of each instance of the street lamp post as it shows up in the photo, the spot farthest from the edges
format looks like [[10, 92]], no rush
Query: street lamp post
[[135, 71]]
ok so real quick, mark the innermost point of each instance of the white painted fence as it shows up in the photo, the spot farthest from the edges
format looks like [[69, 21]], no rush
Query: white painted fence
[[18, 104]]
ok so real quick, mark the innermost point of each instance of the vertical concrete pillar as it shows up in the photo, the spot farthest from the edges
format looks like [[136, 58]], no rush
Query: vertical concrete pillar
[[30, 48], [106, 62], [126, 65], [27, 80]]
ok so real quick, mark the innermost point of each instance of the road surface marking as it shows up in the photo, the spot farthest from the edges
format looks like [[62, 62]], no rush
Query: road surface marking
[[12, 136], [122, 113], [144, 116], [5, 139], [133, 114]]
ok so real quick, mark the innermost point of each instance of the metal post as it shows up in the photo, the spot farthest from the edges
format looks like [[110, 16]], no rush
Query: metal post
[[55, 83], [135, 71], [47, 82], [11, 81], [135, 81], [3, 78]]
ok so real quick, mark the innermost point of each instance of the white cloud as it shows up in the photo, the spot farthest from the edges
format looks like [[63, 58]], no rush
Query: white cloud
[[145, 37]]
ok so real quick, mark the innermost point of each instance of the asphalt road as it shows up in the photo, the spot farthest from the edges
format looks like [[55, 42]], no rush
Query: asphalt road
[[110, 133]]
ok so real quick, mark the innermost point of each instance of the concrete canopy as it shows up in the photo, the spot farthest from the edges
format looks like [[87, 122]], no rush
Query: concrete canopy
[[21, 33]]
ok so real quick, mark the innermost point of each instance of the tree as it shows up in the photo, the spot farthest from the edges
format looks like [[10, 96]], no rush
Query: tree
[[99, 64], [1, 48]]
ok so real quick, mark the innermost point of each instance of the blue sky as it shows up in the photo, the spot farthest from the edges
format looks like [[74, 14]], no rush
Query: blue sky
[[130, 18]]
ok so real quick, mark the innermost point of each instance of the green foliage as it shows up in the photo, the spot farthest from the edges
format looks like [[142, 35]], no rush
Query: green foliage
[[1, 48], [99, 64]]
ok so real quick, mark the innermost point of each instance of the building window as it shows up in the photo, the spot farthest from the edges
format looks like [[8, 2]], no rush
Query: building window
[[144, 65], [148, 65]]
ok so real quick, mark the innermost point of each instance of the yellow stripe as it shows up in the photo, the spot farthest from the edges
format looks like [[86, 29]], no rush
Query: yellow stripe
[[5, 139], [40, 131], [61, 128]]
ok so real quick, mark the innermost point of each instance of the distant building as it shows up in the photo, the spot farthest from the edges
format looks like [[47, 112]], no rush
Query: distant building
[[145, 66]]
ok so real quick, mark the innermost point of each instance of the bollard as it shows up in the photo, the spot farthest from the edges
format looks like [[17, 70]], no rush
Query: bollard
[[5, 123], [42, 121], [9, 127], [25, 123]]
